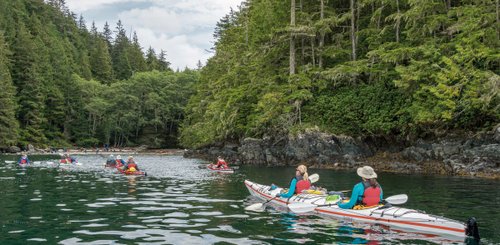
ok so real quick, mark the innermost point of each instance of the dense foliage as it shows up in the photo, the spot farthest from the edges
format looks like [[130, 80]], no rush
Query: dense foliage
[[358, 67], [62, 83]]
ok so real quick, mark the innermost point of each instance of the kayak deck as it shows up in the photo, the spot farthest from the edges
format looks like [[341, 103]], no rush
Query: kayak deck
[[397, 217], [220, 170]]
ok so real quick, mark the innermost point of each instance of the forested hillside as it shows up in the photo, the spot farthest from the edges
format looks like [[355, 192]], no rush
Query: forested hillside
[[355, 67], [62, 82]]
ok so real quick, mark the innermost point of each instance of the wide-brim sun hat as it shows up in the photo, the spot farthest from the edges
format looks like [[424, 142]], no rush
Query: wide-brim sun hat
[[367, 172]]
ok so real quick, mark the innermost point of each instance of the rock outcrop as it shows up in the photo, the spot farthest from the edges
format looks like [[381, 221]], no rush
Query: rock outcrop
[[477, 155]]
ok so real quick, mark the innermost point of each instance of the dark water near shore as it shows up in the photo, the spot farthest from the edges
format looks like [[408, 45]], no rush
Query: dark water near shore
[[180, 202]]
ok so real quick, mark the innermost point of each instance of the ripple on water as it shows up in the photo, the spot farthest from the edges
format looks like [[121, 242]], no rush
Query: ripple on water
[[94, 225], [16, 231], [37, 240], [87, 221], [100, 204], [214, 213]]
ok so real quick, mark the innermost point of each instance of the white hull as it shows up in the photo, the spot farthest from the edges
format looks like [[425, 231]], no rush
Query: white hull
[[394, 217], [220, 170]]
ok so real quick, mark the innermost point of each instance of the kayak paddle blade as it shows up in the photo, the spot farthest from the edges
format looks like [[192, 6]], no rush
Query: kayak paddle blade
[[397, 199], [314, 178], [255, 207], [300, 208]]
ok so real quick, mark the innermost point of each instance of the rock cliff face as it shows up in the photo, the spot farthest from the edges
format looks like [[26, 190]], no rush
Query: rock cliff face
[[477, 155]]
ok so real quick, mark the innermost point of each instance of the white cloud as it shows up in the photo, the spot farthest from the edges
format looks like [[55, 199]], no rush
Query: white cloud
[[182, 28], [84, 5]]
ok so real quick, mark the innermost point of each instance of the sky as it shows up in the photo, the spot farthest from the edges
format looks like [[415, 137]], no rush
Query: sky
[[182, 28]]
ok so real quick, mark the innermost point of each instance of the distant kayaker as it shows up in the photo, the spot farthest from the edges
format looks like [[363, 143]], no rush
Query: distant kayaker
[[67, 159], [367, 192], [221, 163], [111, 161], [131, 165], [119, 162], [24, 159], [298, 183]]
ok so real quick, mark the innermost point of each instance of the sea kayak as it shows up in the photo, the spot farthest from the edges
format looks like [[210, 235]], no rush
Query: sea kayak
[[220, 170], [396, 217]]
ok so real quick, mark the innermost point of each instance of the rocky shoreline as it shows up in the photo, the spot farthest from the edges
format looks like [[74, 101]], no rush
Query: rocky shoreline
[[458, 155]]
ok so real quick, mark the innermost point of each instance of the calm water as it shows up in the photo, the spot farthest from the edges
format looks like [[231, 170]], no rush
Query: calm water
[[180, 202]]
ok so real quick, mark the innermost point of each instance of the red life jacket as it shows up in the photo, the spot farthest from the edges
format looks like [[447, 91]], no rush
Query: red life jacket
[[132, 165], [23, 161], [302, 185], [371, 196], [63, 160], [118, 163], [221, 163]]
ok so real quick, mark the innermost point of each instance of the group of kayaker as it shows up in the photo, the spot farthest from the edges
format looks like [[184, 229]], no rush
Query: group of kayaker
[[65, 159], [128, 166], [366, 193]]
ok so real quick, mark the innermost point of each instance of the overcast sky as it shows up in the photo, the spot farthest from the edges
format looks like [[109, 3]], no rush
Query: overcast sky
[[182, 28]]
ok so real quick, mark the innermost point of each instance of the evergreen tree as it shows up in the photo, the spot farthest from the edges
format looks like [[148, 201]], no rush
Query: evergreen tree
[[135, 55], [27, 78], [8, 123], [151, 60], [120, 54], [163, 64]]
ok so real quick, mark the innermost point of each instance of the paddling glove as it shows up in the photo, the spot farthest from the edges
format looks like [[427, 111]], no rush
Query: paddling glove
[[277, 195]]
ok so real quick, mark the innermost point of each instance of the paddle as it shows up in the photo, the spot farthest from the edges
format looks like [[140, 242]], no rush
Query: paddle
[[397, 199], [300, 207], [259, 207]]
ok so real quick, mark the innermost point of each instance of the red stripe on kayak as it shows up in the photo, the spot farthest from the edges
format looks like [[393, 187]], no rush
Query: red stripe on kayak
[[369, 218], [393, 221]]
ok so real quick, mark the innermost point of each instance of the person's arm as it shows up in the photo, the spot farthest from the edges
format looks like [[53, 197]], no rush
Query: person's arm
[[357, 191], [291, 189], [381, 193]]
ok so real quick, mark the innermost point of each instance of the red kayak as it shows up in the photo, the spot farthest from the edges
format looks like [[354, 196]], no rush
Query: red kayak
[[126, 172], [221, 169]]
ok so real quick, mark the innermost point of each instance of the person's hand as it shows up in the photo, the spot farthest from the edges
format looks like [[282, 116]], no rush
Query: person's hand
[[277, 195]]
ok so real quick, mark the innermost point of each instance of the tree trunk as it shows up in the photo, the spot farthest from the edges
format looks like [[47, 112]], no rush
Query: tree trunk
[[498, 23], [292, 38], [398, 22], [321, 35], [353, 30], [312, 51]]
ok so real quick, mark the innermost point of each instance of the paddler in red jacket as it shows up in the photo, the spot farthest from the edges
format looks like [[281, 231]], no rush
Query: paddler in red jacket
[[221, 163], [368, 192], [131, 165], [23, 160], [298, 183]]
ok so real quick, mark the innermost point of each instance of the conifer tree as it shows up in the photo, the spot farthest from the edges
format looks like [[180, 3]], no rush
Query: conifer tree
[[120, 54], [151, 60], [8, 123], [27, 78]]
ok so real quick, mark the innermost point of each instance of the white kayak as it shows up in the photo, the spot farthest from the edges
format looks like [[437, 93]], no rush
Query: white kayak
[[220, 170], [395, 217]]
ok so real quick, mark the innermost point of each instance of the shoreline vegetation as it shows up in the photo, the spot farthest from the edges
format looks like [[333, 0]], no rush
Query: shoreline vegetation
[[101, 151]]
